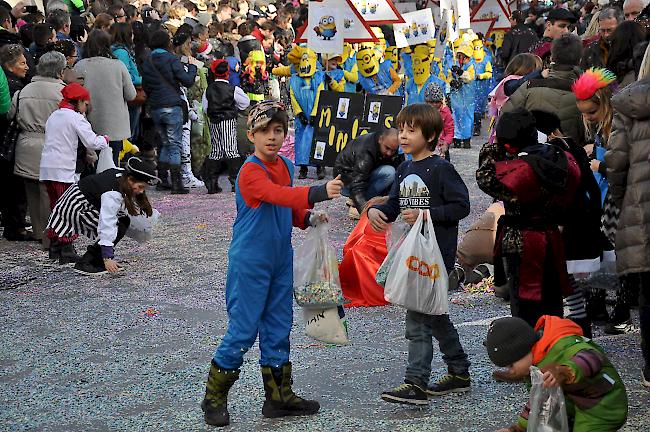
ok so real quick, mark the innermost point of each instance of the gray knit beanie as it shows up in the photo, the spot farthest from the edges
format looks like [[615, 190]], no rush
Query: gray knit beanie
[[508, 340]]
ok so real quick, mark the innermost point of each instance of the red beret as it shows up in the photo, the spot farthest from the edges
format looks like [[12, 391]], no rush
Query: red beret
[[75, 92], [220, 69]]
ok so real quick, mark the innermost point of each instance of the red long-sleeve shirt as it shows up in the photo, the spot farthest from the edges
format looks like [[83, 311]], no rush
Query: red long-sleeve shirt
[[273, 186]]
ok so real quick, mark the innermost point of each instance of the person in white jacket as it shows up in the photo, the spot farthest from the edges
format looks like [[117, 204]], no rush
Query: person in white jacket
[[63, 130]]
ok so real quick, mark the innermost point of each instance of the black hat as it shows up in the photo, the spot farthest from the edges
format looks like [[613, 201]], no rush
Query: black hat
[[546, 122], [508, 340], [561, 15], [141, 170], [517, 128]]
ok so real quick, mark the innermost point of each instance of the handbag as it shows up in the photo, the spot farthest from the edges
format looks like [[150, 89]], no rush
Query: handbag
[[184, 107], [140, 97], [8, 143]]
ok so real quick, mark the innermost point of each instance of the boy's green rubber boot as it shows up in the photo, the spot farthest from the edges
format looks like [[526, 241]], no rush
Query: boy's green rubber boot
[[215, 402], [281, 401]]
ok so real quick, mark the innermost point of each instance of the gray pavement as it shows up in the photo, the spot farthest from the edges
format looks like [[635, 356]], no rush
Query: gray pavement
[[131, 352]]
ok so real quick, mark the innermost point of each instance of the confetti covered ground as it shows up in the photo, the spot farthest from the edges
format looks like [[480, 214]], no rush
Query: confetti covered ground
[[131, 352]]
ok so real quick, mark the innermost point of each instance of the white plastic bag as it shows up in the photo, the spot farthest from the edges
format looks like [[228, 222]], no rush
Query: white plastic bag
[[417, 279], [547, 406], [142, 227], [395, 235], [105, 160], [316, 283], [325, 325]]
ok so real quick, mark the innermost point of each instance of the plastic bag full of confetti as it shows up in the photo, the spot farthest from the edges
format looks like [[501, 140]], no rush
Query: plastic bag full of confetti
[[316, 281]]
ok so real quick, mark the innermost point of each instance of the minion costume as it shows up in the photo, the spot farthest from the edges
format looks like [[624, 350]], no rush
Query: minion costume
[[350, 68], [259, 287], [255, 77], [334, 78], [391, 54], [305, 86], [422, 77], [376, 78], [461, 79], [484, 83]]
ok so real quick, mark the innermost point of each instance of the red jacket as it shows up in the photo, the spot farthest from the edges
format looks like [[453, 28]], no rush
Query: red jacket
[[447, 135]]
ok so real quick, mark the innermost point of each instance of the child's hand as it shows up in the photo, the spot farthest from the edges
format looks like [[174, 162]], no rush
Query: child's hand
[[111, 265], [378, 219], [595, 164], [555, 375], [334, 187], [411, 215], [549, 380]]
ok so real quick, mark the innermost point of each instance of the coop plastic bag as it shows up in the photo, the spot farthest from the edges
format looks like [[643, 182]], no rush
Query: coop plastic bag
[[547, 406], [142, 227], [417, 279], [316, 281], [326, 325], [396, 234]]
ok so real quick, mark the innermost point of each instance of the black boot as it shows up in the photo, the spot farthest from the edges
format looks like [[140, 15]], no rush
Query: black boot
[[585, 325], [68, 254], [234, 165], [456, 143], [596, 306], [280, 400], [467, 143], [320, 172], [215, 402], [477, 124], [303, 172], [177, 180], [210, 175], [55, 250], [163, 175]]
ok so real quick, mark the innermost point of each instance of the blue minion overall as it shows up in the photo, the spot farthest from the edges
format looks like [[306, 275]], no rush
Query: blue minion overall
[[462, 105], [305, 94], [383, 82], [259, 287]]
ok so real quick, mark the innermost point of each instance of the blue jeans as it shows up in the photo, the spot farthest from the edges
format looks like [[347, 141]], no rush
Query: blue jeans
[[134, 119], [169, 125], [420, 329], [379, 183]]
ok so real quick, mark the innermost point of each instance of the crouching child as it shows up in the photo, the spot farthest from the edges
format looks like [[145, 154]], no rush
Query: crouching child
[[594, 392], [259, 286]]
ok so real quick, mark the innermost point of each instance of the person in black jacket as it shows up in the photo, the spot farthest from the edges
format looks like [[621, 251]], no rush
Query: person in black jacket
[[162, 76], [367, 167], [518, 39], [222, 102]]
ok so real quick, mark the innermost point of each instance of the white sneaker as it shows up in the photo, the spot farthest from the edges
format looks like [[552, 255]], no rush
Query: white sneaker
[[192, 182]]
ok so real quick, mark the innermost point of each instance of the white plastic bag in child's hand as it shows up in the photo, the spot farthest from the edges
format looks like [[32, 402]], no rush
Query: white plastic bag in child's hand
[[547, 406], [325, 325], [417, 279], [105, 160], [141, 227]]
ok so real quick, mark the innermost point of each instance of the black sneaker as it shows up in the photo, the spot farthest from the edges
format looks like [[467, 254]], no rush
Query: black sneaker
[[449, 384], [407, 393], [456, 277], [645, 377], [618, 329], [87, 269]]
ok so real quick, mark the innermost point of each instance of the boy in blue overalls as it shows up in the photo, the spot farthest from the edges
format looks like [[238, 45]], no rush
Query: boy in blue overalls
[[259, 287]]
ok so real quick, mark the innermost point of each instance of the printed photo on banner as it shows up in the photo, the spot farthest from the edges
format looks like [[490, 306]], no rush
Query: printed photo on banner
[[342, 111], [418, 28], [324, 31], [378, 11], [319, 152], [373, 112]]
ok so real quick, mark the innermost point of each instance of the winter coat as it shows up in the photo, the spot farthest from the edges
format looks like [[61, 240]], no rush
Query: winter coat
[[246, 45], [5, 97], [38, 100], [355, 163], [516, 41], [110, 87], [159, 91], [628, 173], [553, 94], [124, 55]]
